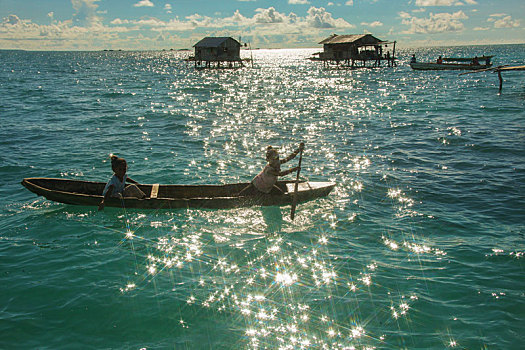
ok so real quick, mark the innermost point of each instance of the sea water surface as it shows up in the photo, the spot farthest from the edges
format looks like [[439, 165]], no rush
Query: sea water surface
[[420, 245]]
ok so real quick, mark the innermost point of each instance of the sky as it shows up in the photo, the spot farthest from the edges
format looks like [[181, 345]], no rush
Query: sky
[[179, 24]]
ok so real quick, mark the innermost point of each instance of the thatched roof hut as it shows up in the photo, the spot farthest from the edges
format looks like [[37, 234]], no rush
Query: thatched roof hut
[[356, 47], [218, 49], [352, 39]]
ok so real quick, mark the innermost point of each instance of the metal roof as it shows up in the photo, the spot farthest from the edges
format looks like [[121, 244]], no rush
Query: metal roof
[[213, 41], [351, 38]]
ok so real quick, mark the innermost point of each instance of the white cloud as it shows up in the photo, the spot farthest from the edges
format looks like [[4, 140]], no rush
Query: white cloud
[[444, 2], [85, 13], [372, 24], [267, 21], [144, 3], [236, 20], [498, 15], [349, 3], [269, 15], [12, 20], [298, 2], [435, 23], [118, 21], [506, 22], [320, 18], [502, 20], [86, 31], [67, 35]]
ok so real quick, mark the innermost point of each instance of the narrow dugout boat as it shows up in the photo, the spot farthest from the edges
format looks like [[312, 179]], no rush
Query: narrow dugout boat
[[89, 193], [455, 63]]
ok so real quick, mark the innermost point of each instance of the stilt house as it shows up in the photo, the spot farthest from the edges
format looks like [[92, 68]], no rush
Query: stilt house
[[353, 49], [216, 51]]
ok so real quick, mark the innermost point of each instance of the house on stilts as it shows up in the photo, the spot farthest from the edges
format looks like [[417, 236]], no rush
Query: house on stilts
[[217, 52], [356, 51]]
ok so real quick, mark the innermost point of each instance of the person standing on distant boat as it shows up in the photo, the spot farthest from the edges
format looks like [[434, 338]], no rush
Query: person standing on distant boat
[[116, 187], [266, 180], [413, 59], [439, 60]]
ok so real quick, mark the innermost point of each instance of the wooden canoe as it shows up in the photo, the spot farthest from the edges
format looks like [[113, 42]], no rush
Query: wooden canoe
[[447, 66], [89, 193]]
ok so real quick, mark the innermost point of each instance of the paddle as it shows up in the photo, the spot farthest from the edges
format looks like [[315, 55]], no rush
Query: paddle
[[294, 200]]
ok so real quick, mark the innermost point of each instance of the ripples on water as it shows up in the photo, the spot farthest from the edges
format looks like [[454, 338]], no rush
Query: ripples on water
[[419, 246]]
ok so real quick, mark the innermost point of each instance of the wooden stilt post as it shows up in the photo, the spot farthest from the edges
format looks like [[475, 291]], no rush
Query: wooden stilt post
[[500, 81], [394, 55]]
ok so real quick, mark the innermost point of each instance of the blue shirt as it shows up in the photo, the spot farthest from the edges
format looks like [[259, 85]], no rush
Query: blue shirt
[[118, 187]]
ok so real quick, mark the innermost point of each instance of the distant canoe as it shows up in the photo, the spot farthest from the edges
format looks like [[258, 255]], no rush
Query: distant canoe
[[89, 193], [455, 63], [447, 66], [468, 59]]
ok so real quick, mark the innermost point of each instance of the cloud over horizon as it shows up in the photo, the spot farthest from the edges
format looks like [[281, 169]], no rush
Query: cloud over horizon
[[434, 23], [150, 24], [86, 25], [436, 3]]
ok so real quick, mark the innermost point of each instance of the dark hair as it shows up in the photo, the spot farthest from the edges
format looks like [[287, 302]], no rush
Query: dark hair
[[115, 161], [270, 150]]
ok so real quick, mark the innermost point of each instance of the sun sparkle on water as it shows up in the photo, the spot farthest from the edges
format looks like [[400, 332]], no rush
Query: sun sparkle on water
[[262, 289]]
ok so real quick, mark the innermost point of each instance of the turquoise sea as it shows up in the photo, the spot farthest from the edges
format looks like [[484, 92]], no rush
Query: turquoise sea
[[420, 246]]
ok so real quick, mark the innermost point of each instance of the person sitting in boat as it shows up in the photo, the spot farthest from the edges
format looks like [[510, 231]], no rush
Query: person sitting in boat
[[413, 59], [266, 180], [116, 186], [439, 60], [475, 61]]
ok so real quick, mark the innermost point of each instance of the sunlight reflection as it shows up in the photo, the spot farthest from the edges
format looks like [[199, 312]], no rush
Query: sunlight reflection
[[285, 278], [129, 287], [129, 235], [412, 247], [310, 284], [357, 332]]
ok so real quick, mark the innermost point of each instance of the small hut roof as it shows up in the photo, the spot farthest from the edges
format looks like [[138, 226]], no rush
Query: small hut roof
[[213, 41], [351, 38]]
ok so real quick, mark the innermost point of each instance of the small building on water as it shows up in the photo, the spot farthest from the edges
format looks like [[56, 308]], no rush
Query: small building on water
[[219, 52], [356, 50]]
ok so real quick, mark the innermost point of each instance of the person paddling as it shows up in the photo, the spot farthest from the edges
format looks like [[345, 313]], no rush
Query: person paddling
[[116, 187], [266, 180]]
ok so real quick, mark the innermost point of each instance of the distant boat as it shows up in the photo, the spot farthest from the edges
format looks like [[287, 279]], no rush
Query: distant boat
[[455, 63], [89, 193]]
